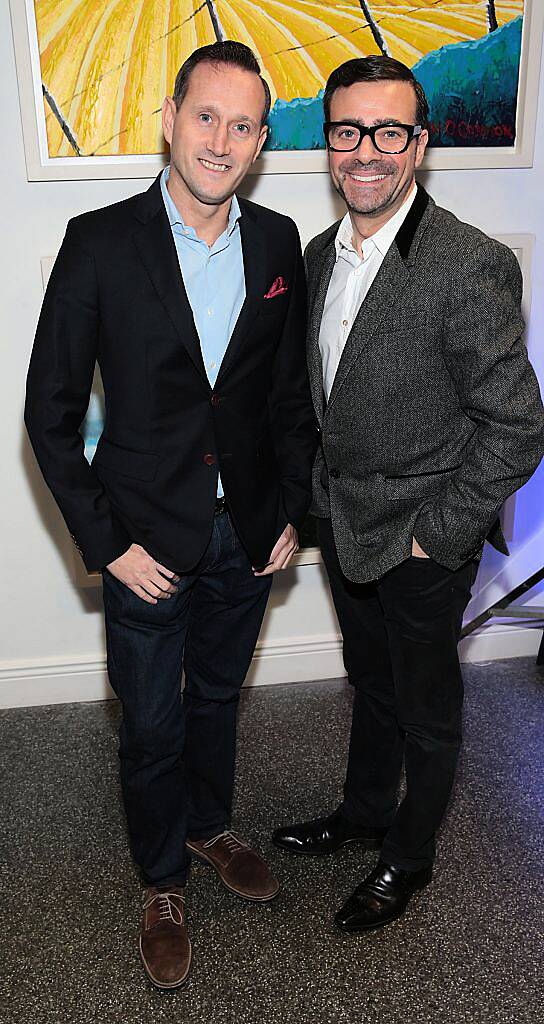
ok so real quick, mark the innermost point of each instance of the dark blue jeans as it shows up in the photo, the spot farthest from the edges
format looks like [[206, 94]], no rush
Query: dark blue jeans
[[177, 751]]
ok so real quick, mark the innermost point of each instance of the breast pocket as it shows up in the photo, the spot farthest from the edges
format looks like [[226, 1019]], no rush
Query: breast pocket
[[276, 306]]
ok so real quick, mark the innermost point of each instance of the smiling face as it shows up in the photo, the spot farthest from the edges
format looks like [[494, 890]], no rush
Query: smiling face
[[215, 134], [372, 183]]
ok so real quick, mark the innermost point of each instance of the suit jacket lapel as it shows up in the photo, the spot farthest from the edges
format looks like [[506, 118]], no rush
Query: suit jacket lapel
[[387, 288], [255, 272], [385, 291], [316, 300], [157, 250]]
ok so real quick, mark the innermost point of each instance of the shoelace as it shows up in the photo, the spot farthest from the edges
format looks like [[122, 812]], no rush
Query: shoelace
[[231, 840], [168, 909]]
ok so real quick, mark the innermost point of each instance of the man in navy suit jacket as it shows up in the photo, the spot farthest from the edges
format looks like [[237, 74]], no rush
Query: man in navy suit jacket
[[193, 305]]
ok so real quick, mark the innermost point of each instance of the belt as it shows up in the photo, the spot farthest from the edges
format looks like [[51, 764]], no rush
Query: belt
[[220, 506]]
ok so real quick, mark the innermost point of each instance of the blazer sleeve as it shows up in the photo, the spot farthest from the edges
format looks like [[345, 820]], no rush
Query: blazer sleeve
[[497, 388], [293, 426], [59, 383]]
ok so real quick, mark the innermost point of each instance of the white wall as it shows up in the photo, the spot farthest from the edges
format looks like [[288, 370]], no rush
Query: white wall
[[51, 631]]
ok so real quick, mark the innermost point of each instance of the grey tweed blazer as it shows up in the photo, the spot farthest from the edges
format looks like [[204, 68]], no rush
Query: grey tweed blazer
[[435, 414]]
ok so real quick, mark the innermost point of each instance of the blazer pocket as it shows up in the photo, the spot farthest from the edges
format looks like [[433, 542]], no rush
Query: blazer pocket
[[273, 306], [125, 461], [399, 488]]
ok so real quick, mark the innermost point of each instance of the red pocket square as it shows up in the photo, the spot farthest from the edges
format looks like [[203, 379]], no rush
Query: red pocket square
[[279, 287]]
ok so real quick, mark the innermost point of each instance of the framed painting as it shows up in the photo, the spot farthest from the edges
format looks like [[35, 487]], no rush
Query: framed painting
[[93, 73]]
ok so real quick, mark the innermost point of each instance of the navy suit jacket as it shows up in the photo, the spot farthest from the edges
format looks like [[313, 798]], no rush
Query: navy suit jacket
[[116, 298]]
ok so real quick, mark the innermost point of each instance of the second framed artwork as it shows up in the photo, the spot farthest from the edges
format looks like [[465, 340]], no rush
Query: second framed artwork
[[92, 75]]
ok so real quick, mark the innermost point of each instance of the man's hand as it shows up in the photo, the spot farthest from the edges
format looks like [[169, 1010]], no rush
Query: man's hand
[[417, 551], [282, 552], [146, 578]]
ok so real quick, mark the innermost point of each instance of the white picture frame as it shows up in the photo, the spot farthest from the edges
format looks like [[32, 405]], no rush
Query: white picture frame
[[41, 167]]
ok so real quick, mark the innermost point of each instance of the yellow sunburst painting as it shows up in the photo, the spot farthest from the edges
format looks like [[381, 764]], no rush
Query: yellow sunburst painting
[[106, 65]]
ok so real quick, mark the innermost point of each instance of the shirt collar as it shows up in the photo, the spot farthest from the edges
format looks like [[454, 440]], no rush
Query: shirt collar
[[381, 239], [175, 217], [344, 236]]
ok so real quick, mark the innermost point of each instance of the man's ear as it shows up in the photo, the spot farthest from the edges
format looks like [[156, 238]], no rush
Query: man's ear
[[169, 111], [421, 146], [262, 139]]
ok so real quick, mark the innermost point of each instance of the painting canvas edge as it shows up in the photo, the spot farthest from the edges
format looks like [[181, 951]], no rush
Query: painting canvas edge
[[43, 168]]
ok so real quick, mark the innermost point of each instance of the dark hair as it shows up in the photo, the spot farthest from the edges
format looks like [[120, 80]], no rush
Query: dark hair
[[227, 51], [375, 69]]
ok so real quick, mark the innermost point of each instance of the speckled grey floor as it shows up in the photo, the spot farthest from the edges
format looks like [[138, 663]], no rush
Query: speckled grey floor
[[469, 948]]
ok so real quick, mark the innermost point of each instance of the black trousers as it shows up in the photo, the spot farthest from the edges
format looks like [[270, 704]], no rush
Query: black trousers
[[177, 750], [400, 651]]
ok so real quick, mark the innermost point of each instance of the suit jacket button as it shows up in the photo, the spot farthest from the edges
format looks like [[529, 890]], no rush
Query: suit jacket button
[[215, 400], [209, 460], [335, 473]]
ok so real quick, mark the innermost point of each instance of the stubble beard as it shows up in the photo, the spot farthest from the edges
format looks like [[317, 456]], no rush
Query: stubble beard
[[371, 203]]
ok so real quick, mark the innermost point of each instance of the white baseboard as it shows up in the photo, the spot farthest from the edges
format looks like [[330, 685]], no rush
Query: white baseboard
[[501, 639], [296, 659], [50, 681]]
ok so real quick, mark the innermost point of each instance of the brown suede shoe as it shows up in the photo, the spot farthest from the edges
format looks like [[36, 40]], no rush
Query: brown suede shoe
[[164, 943], [239, 867]]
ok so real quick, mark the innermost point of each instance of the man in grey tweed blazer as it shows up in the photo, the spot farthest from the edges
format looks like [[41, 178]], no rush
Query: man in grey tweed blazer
[[430, 416]]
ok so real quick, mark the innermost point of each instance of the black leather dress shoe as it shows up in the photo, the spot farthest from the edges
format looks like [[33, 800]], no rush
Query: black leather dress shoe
[[325, 835], [382, 897]]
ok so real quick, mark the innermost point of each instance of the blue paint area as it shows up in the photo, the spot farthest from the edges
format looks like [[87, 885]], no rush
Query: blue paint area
[[471, 87], [297, 124]]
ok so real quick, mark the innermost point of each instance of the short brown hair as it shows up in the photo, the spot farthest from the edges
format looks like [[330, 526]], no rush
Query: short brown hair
[[375, 69], [227, 51]]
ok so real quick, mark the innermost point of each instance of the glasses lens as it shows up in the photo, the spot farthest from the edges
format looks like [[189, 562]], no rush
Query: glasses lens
[[344, 136], [391, 139]]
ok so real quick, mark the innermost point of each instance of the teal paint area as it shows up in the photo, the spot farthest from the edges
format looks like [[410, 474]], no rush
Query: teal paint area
[[472, 88], [296, 124]]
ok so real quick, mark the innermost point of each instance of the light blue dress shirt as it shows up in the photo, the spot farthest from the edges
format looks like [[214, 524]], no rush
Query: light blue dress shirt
[[214, 280]]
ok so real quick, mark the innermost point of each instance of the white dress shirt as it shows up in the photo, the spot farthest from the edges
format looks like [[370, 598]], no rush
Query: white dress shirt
[[349, 285]]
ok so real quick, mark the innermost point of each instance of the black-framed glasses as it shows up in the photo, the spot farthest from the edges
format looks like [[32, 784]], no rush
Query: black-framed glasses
[[346, 136]]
